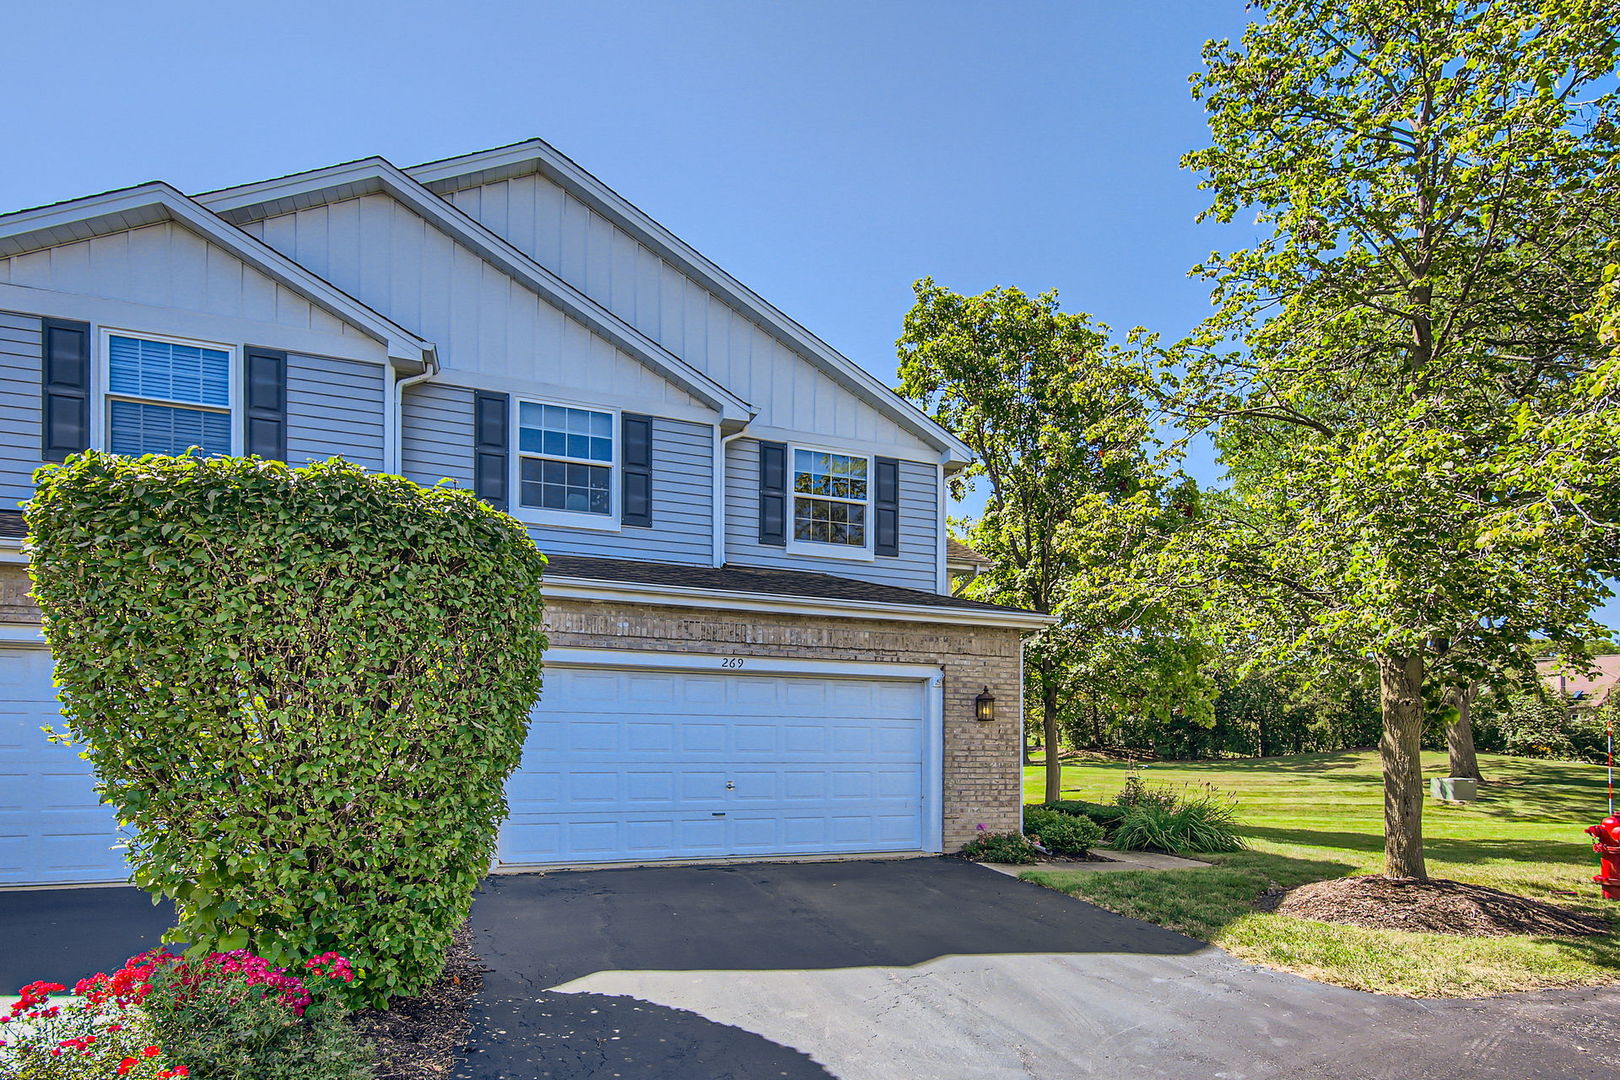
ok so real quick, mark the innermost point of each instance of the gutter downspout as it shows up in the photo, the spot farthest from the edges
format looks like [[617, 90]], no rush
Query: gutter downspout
[[396, 408], [721, 444]]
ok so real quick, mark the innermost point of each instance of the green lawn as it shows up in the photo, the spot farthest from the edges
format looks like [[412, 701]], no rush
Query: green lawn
[[1316, 816]]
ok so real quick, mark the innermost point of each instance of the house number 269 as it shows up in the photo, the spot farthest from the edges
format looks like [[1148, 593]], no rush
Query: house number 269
[[731, 662]]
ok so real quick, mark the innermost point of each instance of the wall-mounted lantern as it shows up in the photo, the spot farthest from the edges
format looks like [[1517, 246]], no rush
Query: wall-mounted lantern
[[984, 706]]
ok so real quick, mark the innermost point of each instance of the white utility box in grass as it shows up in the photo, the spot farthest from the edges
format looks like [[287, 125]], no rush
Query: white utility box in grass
[[1454, 788]]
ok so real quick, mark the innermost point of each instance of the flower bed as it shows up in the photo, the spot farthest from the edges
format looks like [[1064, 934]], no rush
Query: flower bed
[[160, 1016]]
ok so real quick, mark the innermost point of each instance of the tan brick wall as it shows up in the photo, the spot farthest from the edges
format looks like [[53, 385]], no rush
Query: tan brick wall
[[982, 776], [16, 606]]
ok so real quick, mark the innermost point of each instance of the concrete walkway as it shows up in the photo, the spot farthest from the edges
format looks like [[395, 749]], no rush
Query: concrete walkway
[[935, 968]]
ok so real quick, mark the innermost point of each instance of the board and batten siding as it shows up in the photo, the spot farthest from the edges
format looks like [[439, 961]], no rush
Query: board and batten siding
[[484, 322], [20, 364], [916, 567], [659, 299], [335, 409], [436, 444], [168, 266]]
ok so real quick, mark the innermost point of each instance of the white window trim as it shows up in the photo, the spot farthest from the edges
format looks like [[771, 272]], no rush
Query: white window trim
[[101, 379], [568, 519], [815, 549]]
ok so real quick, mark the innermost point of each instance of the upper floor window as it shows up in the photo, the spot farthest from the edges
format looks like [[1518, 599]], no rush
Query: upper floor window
[[164, 396], [830, 498], [565, 459]]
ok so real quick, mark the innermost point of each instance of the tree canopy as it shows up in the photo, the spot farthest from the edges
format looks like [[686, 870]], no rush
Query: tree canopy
[[1384, 372]]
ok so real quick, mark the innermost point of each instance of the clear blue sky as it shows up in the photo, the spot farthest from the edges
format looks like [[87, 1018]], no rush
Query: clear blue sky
[[826, 152]]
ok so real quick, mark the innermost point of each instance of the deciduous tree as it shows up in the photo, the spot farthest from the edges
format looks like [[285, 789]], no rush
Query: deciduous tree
[[1435, 182]]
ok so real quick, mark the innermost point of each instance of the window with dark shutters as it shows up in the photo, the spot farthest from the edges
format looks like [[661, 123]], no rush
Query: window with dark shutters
[[773, 494], [490, 422], [885, 506], [65, 388], [266, 400], [637, 469]]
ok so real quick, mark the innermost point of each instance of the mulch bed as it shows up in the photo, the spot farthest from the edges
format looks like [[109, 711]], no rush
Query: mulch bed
[[1436, 906], [418, 1038]]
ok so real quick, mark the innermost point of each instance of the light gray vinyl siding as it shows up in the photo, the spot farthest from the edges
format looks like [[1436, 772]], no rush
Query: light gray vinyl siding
[[334, 409], [19, 406], [436, 444], [916, 567], [436, 436]]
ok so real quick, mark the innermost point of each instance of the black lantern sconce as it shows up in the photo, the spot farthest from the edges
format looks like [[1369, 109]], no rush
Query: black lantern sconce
[[984, 706]]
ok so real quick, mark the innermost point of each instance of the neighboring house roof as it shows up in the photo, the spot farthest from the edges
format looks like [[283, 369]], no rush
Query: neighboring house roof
[[535, 155], [149, 204], [959, 554], [1587, 690], [371, 176]]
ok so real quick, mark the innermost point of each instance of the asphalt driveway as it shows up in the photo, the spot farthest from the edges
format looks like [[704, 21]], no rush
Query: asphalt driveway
[[928, 968], [936, 968]]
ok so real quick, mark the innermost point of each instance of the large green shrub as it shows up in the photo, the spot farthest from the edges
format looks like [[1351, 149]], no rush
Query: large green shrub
[[304, 689], [1061, 833], [1103, 814]]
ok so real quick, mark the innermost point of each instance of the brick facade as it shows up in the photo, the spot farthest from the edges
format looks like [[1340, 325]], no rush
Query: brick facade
[[982, 775]]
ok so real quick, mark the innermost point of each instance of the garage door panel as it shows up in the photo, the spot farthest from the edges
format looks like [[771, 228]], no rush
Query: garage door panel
[[706, 765], [54, 829]]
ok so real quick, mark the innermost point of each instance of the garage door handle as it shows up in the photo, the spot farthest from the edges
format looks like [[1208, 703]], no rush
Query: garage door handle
[[730, 786]]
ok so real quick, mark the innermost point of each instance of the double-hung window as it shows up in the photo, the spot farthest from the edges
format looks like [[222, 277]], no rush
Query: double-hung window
[[565, 460], [831, 495], [164, 396]]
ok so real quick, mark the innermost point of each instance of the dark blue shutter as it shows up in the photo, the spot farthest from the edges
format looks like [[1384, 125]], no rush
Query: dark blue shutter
[[773, 494], [490, 417], [885, 506], [266, 401], [636, 455], [64, 388]]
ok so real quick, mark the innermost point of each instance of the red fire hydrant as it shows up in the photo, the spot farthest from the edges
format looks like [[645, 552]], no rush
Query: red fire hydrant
[[1606, 842]]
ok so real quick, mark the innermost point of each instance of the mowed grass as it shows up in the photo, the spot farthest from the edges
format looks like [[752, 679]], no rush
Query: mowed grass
[[1317, 816]]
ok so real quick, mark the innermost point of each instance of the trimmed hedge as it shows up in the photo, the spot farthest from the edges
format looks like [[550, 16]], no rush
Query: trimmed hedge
[[304, 688], [1103, 814]]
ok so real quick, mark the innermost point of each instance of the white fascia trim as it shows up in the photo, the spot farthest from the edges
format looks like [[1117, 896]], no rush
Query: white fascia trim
[[630, 592], [738, 663], [633, 220], [305, 189], [130, 203]]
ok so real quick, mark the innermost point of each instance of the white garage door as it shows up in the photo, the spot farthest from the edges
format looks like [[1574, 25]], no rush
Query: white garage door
[[53, 829], [637, 765]]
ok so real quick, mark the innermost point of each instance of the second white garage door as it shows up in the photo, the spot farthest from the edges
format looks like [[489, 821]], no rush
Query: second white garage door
[[636, 765], [54, 829]]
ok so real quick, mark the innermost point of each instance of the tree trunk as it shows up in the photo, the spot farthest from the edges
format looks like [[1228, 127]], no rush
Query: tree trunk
[[1096, 726], [1460, 734], [1400, 680], [1049, 729]]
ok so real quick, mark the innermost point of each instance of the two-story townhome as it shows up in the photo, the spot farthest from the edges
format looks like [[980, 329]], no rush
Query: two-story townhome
[[754, 649]]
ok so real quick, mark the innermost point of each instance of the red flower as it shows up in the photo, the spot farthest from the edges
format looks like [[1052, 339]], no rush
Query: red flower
[[152, 1051], [126, 1065]]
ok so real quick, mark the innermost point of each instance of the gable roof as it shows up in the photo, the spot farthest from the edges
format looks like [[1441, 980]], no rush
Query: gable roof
[[152, 203], [958, 553], [536, 155], [370, 176]]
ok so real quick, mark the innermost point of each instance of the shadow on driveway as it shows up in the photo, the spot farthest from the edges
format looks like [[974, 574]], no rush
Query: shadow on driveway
[[541, 931], [63, 935]]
